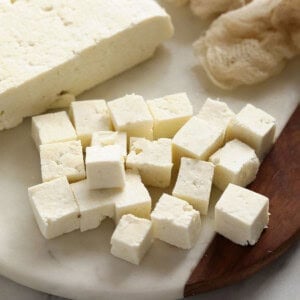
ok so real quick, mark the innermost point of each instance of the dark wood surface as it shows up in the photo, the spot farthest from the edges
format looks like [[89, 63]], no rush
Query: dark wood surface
[[278, 178]]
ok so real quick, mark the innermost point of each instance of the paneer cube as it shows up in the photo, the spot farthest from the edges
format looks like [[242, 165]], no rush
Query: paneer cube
[[176, 222], [89, 116], [105, 138], [134, 199], [254, 127], [132, 238], [153, 160], [62, 159], [52, 128], [170, 113], [54, 207], [194, 183], [241, 215], [131, 114], [105, 167], [235, 163], [94, 205]]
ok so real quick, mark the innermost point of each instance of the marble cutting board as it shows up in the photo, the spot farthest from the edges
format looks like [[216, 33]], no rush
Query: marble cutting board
[[78, 265]]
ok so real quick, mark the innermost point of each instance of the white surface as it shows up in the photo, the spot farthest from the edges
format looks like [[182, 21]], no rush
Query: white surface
[[78, 265]]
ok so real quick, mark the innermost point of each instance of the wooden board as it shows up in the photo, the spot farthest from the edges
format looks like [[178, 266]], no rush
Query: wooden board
[[279, 178]]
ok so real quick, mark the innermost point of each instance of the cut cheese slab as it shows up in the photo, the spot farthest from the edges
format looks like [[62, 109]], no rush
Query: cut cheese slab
[[66, 46]]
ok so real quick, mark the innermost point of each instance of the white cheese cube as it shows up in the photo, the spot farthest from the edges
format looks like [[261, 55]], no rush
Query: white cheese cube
[[105, 167], [94, 205], [194, 183], [131, 114], [62, 101], [62, 159], [197, 139], [216, 112], [89, 116], [176, 222], [241, 215], [254, 127], [105, 138], [54, 207], [131, 239], [52, 128], [170, 113], [134, 199], [153, 160], [70, 46], [235, 163]]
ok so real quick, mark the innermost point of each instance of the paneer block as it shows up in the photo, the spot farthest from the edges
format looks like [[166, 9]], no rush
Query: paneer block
[[170, 113], [94, 205], [235, 163], [241, 215], [52, 128], [105, 167], [153, 160], [89, 116], [131, 114], [134, 199], [54, 207], [176, 222], [194, 183], [131, 239], [197, 139], [216, 112], [254, 127], [52, 47], [62, 159], [105, 138]]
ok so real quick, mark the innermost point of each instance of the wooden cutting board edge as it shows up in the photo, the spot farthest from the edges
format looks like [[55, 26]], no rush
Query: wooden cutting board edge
[[208, 274]]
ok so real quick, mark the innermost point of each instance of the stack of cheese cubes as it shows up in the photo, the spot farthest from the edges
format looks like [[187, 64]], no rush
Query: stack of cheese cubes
[[88, 175]]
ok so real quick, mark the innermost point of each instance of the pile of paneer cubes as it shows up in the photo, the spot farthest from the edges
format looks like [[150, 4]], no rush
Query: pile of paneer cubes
[[97, 161]]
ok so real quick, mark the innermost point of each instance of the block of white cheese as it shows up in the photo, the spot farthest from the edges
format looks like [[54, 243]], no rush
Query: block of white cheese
[[94, 205], [89, 116], [153, 160], [105, 138], [134, 199], [216, 112], [62, 159], [105, 167], [235, 163], [170, 113], [176, 222], [197, 139], [241, 215], [132, 238], [131, 114], [194, 183], [48, 48], [254, 127], [52, 128], [54, 207]]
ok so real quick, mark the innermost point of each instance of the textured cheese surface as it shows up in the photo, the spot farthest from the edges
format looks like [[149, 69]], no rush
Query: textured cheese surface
[[149, 158], [175, 222], [90, 116], [94, 205], [241, 215], [54, 207], [50, 47], [194, 183], [254, 127], [62, 159], [132, 238], [170, 113]]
